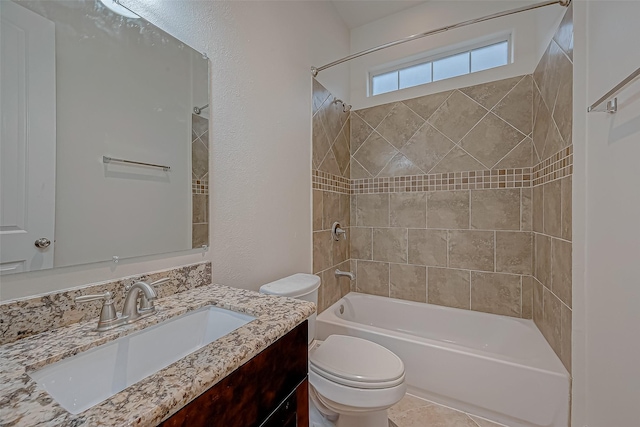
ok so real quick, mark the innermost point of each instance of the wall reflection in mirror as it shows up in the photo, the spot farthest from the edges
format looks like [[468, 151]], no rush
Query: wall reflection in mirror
[[81, 80]]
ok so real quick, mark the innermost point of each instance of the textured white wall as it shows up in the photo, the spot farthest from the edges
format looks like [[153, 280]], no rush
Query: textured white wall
[[261, 53], [606, 287], [531, 34]]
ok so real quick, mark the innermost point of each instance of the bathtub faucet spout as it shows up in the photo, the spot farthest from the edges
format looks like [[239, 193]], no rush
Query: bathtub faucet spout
[[348, 274]]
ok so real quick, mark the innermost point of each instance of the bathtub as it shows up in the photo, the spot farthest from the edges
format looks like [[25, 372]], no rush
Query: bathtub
[[497, 367]]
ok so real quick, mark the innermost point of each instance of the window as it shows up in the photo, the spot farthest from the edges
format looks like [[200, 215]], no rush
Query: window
[[483, 57]]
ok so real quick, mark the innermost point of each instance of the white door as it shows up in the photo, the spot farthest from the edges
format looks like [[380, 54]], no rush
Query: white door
[[27, 139]]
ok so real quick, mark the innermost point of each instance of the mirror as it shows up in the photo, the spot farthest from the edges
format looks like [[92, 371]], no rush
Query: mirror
[[104, 145]]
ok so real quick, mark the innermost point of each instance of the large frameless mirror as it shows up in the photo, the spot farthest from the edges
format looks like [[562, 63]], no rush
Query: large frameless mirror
[[104, 136]]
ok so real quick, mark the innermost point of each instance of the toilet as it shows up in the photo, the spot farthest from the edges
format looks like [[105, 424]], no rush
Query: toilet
[[352, 381]]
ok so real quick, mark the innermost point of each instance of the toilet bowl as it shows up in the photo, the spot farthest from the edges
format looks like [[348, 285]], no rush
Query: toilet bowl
[[352, 381]]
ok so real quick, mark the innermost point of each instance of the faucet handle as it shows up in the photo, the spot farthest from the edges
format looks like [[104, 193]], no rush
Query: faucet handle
[[87, 298], [337, 230], [108, 314], [145, 303]]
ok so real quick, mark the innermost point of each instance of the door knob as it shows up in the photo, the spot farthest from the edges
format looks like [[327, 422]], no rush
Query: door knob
[[43, 243]]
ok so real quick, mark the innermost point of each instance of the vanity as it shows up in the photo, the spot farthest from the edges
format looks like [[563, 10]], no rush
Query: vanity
[[105, 159], [255, 375]]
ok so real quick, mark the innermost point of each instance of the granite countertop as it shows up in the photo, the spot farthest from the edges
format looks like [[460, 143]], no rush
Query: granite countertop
[[148, 402]]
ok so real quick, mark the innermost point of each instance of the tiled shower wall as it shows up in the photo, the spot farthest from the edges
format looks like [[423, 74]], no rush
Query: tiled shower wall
[[461, 198], [442, 204], [200, 180], [331, 190], [552, 137]]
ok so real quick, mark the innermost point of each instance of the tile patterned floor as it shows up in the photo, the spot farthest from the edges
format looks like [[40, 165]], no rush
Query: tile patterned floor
[[414, 412]]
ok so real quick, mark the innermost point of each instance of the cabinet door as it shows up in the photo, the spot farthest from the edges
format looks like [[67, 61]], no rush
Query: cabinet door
[[293, 411], [250, 394]]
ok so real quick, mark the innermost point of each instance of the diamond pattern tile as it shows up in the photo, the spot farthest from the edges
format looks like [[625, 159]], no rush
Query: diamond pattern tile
[[491, 140], [333, 118], [399, 125], [457, 115], [425, 106], [360, 131], [341, 152], [457, 160], [320, 94], [330, 164], [399, 165], [357, 171], [489, 94], [375, 153], [320, 141], [375, 115], [520, 157], [515, 108], [427, 147]]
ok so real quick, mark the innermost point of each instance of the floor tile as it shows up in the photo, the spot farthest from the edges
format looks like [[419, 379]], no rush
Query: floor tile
[[485, 423], [412, 411]]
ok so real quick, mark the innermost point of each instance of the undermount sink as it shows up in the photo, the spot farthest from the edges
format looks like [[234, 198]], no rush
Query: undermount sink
[[88, 378]]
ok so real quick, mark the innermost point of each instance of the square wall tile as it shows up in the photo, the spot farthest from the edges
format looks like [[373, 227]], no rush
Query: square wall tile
[[408, 210], [372, 278], [372, 210], [567, 212], [527, 297], [322, 251], [538, 209], [496, 293], [448, 209], [330, 209], [561, 270], [448, 287], [317, 210], [408, 282], [361, 243], [543, 259], [390, 244], [514, 252], [428, 247], [473, 250], [552, 208], [495, 209]]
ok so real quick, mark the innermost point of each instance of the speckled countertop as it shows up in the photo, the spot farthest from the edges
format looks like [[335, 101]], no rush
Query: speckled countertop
[[148, 402]]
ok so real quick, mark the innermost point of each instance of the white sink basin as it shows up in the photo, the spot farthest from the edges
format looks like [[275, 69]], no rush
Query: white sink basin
[[88, 378]]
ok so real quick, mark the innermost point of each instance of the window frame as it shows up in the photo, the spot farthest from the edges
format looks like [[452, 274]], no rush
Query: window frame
[[429, 57]]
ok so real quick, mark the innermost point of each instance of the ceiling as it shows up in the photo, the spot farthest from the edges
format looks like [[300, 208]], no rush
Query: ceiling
[[355, 13]]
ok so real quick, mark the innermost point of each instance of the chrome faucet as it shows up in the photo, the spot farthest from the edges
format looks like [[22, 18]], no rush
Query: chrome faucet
[[131, 311], [340, 273]]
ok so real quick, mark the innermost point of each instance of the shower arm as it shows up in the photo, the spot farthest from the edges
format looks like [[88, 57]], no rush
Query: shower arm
[[198, 110]]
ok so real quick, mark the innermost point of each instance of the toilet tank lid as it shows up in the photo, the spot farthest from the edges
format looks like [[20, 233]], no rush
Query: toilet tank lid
[[295, 286]]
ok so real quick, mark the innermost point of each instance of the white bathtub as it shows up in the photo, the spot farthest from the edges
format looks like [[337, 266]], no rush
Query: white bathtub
[[497, 367]]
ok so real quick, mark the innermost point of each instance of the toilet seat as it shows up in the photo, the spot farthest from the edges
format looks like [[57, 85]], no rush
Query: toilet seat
[[357, 363]]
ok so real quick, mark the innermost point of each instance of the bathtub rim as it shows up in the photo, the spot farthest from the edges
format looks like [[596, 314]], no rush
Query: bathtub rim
[[555, 367]]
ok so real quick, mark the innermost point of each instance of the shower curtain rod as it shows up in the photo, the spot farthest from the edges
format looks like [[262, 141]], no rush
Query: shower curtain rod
[[315, 71]]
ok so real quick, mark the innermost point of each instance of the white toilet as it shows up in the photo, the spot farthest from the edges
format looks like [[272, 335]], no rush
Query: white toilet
[[352, 381]]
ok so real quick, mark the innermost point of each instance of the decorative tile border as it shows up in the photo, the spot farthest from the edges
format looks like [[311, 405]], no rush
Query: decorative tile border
[[200, 186], [474, 180], [555, 167], [328, 182]]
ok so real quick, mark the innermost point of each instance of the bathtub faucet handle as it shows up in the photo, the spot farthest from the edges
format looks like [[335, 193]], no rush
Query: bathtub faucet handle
[[337, 230]]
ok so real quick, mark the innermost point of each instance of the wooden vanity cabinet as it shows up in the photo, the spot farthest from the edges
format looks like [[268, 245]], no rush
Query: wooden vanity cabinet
[[270, 390]]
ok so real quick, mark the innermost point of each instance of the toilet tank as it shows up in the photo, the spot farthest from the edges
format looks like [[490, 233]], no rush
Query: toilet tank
[[299, 286]]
